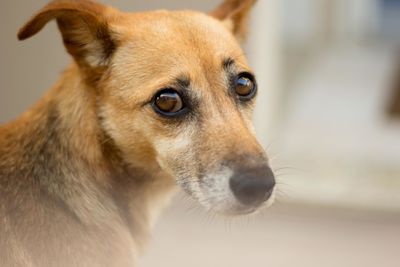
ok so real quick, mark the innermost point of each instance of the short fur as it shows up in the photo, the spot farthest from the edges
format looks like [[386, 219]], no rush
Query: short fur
[[84, 172]]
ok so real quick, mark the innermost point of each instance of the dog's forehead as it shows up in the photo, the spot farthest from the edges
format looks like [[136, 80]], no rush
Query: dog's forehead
[[181, 37], [180, 24], [161, 47]]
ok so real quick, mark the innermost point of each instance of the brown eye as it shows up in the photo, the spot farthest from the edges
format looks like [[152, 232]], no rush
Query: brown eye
[[168, 101], [245, 87]]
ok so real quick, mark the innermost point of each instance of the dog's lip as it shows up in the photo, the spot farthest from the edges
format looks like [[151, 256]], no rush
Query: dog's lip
[[242, 210]]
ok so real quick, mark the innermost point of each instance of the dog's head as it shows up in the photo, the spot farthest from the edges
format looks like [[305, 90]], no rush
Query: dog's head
[[173, 88]]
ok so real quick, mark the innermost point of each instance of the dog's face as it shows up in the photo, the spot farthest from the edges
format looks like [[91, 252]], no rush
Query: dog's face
[[175, 89]]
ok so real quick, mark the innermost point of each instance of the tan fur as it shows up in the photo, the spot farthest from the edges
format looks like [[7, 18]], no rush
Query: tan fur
[[84, 172]]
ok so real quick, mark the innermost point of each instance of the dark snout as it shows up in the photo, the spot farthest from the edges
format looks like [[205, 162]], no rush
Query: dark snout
[[252, 186]]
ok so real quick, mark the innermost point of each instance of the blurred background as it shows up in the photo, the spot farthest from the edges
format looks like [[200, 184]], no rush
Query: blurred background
[[328, 115]]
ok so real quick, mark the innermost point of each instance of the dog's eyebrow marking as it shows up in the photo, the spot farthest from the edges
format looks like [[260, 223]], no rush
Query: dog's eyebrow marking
[[227, 63], [180, 83], [183, 81]]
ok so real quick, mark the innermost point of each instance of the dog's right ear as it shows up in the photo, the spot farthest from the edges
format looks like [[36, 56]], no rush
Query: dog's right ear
[[84, 27], [234, 14]]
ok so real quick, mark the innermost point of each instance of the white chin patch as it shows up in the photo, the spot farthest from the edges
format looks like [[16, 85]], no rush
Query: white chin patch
[[214, 193]]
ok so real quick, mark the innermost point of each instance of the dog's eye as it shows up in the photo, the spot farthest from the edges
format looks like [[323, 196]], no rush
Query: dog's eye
[[168, 102], [245, 86]]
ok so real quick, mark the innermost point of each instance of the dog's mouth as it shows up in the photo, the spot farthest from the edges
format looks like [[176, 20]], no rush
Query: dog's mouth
[[248, 210], [236, 208]]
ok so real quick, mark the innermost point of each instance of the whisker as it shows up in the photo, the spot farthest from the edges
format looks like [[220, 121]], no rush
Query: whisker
[[270, 145], [288, 168]]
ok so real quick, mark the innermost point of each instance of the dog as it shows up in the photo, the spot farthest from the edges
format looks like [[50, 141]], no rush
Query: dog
[[153, 102]]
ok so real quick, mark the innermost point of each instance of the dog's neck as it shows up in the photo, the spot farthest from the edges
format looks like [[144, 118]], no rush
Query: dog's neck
[[64, 135]]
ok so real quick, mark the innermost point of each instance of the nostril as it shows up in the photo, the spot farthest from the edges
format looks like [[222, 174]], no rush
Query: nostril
[[253, 186]]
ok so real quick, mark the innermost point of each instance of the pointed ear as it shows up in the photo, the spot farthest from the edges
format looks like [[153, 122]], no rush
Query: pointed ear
[[84, 28], [234, 14]]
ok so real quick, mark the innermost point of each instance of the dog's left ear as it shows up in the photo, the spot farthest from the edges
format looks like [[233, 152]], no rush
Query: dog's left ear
[[234, 14], [84, 26]]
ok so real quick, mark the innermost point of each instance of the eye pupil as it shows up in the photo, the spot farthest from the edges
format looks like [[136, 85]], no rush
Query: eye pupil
[[244, 86], [168, 101]]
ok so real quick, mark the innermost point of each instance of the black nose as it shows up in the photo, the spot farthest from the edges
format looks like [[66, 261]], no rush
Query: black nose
[[253, 186]]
